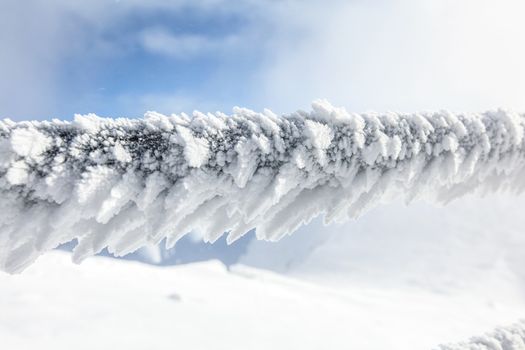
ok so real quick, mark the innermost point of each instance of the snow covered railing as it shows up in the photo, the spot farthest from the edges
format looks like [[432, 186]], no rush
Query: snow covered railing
[[124, 183], [510, 338]]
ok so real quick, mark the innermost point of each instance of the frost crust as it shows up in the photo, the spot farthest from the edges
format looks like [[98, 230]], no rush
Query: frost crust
[[509, 338], [126, 183]]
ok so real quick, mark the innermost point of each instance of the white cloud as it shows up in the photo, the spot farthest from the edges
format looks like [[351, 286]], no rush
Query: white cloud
[[166, 103], [160, 41], [403, 54]]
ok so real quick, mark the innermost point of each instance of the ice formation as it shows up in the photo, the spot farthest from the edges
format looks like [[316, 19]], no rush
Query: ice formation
[[510, 338], [125, 183]]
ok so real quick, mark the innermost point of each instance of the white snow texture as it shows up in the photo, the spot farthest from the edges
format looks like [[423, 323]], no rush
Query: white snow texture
[[510, 338], [126, 183]]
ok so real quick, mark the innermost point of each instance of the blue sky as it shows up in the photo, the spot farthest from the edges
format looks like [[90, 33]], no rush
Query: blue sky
[[117, 58], [122, 58]]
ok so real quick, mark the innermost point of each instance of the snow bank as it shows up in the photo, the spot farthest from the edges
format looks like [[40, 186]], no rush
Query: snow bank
[[511, 338], [126, 183]]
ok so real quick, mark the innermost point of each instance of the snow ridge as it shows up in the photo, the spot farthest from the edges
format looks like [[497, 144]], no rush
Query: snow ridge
[[510, 338], [124, 183]]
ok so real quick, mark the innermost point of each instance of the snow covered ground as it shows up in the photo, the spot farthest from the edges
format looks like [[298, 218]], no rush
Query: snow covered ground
[[397, 278], [114, 304]]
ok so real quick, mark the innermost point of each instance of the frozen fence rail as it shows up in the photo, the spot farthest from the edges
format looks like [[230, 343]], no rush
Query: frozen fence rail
[[123, 183]]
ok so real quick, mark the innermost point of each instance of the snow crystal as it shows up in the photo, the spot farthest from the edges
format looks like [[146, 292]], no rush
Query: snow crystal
[[122, 184], [121, 154], [29, 142]]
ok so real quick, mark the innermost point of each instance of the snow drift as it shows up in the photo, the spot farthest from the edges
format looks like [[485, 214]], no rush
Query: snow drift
[[510, 338], [124, 183]]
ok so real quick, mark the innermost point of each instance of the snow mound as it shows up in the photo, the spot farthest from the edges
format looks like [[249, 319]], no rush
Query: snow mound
[[137, 306], [510, 338], [124, 183]]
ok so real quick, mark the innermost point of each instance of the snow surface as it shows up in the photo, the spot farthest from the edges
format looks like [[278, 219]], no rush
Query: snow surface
[[123, 184], [115, 304]]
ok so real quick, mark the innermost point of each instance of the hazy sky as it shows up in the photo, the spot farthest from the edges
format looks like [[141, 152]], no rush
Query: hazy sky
[[122, 58]]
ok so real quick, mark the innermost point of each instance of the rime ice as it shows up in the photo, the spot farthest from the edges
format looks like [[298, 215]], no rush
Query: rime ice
[[126, 183], [509, 338]]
